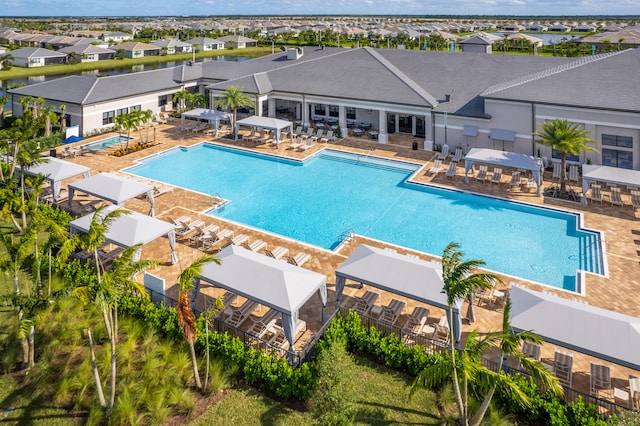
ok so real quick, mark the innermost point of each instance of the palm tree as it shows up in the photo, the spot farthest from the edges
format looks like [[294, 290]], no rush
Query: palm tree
[[233, 98], [145, 117], [562, 136], [185, 314], [181, 98], [459, 282], [127, 122], [7, 63], [3, 100], [63, 120]]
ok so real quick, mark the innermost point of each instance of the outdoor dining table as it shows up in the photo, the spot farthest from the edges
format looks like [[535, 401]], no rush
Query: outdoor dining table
[[365, 125], [357, 132], [373, 134]]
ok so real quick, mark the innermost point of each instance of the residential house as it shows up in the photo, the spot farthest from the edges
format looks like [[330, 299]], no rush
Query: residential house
[[238, 42], [88, 53], [30, 57], [136, 49], [173, 46], [116, 37], [203, 44]]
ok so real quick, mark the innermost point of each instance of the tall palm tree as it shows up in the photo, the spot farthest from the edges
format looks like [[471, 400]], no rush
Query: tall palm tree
[[145, 117], [7, 61], [3, 100], [127, 123], [233, 98], [63, 120], [460, 281], [181, 99], [565, 137], [185, 314]]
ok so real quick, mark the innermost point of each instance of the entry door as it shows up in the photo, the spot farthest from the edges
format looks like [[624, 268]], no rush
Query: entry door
[[404, 123]]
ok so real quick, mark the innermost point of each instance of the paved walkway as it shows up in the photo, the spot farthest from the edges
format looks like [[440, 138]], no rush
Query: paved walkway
[[619, 224]]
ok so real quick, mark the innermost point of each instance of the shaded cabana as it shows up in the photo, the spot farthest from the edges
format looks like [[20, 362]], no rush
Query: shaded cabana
[[504, 159], [211, 115], [57, 170], [607, 174], [112, 188], [578, 326], [274, 124], [399, 274], [128, 230], [270, 282]]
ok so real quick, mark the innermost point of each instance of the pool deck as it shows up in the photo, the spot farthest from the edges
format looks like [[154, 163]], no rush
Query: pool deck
[[619, 224]]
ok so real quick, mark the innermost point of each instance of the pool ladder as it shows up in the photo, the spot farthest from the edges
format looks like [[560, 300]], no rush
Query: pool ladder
[[220, 202], [346, 237], [365, 157]]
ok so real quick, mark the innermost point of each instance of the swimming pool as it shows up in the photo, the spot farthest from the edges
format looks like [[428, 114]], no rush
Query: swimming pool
[[105, 143], [316, 201]]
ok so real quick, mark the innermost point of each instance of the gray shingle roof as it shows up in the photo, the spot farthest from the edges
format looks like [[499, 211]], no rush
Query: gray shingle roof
[[36, 52]]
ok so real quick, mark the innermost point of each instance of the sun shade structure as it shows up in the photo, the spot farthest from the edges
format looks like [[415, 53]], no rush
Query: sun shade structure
[[210, 115], [399, 274], [270, 282], [504, 159], [275, 124], [114, 189], [56, 171], [578, 326], [615, 175], [128, 230]]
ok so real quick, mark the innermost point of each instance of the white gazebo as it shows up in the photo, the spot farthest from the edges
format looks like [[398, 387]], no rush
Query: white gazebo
[[211, 115], [112, 188], [576, 325], [57, 170], [399, 274], [504, 159], [614, 175], [131, 229], [270, 282], [274, 124]]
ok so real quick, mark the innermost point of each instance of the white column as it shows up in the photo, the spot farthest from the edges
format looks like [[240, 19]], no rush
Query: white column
[[342, 119], [305, 113], [258, 107], [383, 137], [397, 123], [272, 107], [414, 125]]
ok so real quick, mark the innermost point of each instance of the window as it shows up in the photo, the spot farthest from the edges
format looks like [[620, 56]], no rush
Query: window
[[351, 113], [135, 108], [618, 152], [107, 117], [319, 109], [162, 100], [334, 111], [570, 157], [122, 111]]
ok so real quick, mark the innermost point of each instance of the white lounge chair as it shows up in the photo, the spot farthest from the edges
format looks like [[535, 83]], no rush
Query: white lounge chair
[[515, 179], [563, 367], [309, 143], [531, 350], [496, 177], [451, 171], [216, 237], [264, 324], [437, 166], [299, 259], [616, 197], [277, 253], [573, 173], [557, 171], [390, 313], [296, 144], [202, 233], [483, 173], [596, 193], [319, 133], [444, 153], [635, 199], [188, 227], [235, 241], [240, 315], [328, 137], [457, 156], [256, 246], [251, 136], [364, 303], [417, 320]]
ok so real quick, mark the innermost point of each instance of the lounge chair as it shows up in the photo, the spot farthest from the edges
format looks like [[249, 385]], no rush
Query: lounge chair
[[437, 166], [240, 315], [178, 221], [264, 324], [328, 137], [251, 136], [235, 241], [531, 350], [298, 131], [299, 259], [390, 313], [319, 133], [596, 193], [515, 180], [484, 295], [227, 299], [188, 227], [563, 367], [557, 171], [496, 177], [442, 155], [483, 173], [296, 144], [451, 171], [457, 156], [635, 199], [200, 127], [202, 233], [441, 334], [417, 320], [306, 145], [573, 173], [277, 252], [364, 304], [616, 197], [600, 379], [216, 237], [256, 246]]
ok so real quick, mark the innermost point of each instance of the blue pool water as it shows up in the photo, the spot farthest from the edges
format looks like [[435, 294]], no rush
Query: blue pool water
[[105, 143], [333, 192]]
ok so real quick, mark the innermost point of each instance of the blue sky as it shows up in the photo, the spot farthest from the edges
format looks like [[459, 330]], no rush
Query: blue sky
[[307, 7]]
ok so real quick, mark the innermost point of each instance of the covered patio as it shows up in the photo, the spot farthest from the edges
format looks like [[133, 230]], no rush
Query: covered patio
[[274, 124], [57, 170], [504, 159], [131, 229], [399, 274], [210, 115], [270, 282], [609, 175], [112, 188]]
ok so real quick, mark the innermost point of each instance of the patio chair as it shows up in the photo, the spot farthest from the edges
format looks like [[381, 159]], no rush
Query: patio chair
[[240, 315], [277, 253], [227, 299], [596, 193], [328, 137], [417, 320], [364, 303], [319, 133], [457, 156], [202, 232], [496, 177], [616, 197], [256, 246], [444, 153], [563, 367], [515, 179], [557, 171], [573, 173], [299, 259], [306, 145], [635, 199], [296, 144], [216, 237], [483, 173], [188, 227], [437, 166], [600, 379], [178, 221], [264, 324], [390, 313], [531, 350], [484, 295], [251, 136], [298, 131], [230, 240], [451, 171], [441, 334]]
